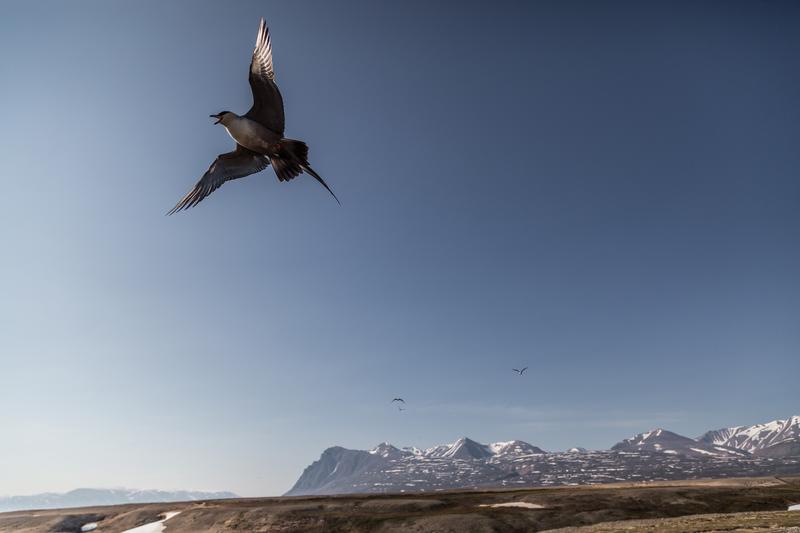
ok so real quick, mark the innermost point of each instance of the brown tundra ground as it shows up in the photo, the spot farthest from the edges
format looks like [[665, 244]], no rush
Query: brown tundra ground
[[730, 505]]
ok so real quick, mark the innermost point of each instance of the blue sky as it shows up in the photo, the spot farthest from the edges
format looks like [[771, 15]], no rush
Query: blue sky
[[606, 193]]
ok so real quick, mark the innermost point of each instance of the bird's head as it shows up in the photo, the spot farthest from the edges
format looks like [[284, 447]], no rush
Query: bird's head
[[223, 117]]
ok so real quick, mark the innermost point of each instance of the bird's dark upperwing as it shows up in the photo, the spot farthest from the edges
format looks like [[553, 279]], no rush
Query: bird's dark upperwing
[[267, 102], [237, 164]]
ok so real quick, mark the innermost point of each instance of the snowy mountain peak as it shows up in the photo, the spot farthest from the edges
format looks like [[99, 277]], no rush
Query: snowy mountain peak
[[653, 437], [772, 439], [514, 447], [385, 449], [661, 440], [652, 434], [466, 448]]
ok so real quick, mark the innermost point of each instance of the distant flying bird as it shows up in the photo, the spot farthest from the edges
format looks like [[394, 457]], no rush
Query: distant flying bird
[[258, 135], [520, 372], [398, 400]]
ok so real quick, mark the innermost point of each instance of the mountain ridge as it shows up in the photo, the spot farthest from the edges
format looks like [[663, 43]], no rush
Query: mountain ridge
[[90, 497], [653, 455], [664, 441], [776, 438]]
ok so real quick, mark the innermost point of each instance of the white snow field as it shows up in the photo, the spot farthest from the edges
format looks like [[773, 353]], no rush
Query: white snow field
[[153, 527], [524, 505]]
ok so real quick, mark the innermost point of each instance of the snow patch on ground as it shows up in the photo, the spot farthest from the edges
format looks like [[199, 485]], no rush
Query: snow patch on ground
[[153, 527], [91, 526], [704, 452], [795, 507], [524, 505]]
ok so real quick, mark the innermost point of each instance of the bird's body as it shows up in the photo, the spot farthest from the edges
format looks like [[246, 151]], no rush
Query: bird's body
[[258, 134], [250, 134], [520, 372]]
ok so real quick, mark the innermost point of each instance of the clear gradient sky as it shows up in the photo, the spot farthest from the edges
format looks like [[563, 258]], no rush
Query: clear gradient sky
[[607, 193]]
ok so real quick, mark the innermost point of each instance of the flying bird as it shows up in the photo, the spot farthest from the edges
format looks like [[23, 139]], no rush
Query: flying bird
[[520, 372], [258, 135], [398, 400]]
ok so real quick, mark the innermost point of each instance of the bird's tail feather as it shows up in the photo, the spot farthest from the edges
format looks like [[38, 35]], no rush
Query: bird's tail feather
[[291, 160]]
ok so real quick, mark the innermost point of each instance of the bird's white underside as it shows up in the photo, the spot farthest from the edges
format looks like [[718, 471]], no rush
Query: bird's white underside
[[247, 133]]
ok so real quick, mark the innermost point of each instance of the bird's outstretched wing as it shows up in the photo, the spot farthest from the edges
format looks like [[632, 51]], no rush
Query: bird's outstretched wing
[[267, 101], [523, 370], [230, 166]]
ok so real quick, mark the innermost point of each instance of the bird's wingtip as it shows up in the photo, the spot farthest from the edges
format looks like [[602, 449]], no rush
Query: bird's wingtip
[[262, 29]]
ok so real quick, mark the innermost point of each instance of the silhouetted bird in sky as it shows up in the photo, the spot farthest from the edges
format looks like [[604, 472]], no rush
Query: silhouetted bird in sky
[[398, 400], [258, 135], [520, 372]]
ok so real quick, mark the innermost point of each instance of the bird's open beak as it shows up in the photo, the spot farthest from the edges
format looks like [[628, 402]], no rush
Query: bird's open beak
[[218, 117]]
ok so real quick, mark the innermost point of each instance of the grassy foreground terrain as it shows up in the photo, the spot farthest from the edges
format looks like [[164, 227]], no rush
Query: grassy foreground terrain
[[745, 504]]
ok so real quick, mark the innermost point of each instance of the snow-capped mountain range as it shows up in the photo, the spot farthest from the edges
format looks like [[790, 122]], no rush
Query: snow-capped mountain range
[[778, 438], [94, 497], [463, 448], [763, 449], [661, 440]]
